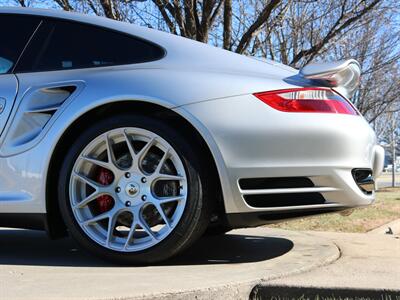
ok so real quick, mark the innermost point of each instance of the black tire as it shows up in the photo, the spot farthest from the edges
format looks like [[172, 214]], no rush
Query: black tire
[[196, 215]]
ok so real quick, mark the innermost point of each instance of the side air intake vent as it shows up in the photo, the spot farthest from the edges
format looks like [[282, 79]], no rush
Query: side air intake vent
[[275, 183], [42, 106], [36, 109]]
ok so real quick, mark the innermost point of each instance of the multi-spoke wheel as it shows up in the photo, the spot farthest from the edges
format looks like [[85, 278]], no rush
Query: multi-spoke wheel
[[131, 190]]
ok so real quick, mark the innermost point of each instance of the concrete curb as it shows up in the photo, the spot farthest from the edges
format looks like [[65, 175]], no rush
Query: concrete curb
[[369, 263], [242, 290], [177, 280], [393, 227]]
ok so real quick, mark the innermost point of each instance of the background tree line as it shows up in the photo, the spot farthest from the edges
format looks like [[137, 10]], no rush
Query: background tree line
[[293, 32]]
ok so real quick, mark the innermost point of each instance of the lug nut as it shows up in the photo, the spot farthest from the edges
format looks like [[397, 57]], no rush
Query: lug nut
[[127, 174], [144, 197], [144, 180], [128, 203], [118, 189]]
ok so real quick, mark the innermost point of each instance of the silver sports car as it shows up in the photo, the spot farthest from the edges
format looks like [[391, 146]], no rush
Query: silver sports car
[[136, 142]]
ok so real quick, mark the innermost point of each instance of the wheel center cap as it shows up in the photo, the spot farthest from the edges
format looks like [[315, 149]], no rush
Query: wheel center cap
[[131, 189]]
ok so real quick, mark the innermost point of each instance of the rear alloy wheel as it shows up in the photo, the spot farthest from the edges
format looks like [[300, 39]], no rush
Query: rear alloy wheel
[[131, 198]]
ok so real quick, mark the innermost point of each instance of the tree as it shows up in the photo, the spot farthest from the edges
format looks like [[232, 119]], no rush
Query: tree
[[294, 32]]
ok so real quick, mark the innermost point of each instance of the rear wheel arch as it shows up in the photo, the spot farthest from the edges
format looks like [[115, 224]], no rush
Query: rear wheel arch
[[54, 223]]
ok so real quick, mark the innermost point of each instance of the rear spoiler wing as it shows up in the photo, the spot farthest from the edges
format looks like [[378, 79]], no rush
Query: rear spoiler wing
[[343, 76]]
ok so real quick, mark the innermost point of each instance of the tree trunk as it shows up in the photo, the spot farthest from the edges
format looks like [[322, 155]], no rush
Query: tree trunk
[[227, 24]]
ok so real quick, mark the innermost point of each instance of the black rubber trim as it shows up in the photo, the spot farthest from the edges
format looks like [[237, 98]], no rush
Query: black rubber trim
[[261, 292], [23, 220], [254, 219]]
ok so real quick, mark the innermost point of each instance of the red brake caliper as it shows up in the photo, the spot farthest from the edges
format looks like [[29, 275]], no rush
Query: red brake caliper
[[105, 202]]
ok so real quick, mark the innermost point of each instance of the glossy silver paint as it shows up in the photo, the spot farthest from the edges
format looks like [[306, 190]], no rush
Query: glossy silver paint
[[342, 75], [212, 89]]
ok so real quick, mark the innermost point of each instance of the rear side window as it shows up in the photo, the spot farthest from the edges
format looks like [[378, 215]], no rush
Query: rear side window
[[15, 32], [62, 45]]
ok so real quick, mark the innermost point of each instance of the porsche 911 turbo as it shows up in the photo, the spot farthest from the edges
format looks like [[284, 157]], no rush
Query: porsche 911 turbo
[[136, 142]]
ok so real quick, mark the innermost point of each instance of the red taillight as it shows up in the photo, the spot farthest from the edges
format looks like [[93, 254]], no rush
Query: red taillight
[[309, 100]]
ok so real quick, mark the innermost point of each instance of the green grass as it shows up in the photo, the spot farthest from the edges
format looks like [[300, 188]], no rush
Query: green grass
[[385, 209]]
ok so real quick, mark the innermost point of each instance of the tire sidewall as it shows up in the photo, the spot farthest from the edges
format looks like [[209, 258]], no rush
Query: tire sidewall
[[194, 219]]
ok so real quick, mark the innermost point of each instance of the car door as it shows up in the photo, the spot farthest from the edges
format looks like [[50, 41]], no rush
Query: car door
[[15, 32]]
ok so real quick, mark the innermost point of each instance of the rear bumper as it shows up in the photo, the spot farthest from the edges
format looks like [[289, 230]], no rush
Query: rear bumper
[[379, 160], [251, 140], [258, 218]]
